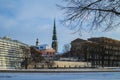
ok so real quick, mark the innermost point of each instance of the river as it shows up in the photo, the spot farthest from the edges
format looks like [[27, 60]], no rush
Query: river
[[61, 76]]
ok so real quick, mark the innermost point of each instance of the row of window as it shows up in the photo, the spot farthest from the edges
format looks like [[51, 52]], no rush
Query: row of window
[[10, 53]]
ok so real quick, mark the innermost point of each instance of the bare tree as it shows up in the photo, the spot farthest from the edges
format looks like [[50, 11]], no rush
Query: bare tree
[[90, 15], [66, 48], [26, 56]]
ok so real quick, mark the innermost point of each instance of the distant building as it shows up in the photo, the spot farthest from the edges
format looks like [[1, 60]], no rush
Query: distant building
[[106, 52], [101, 51], [43, 46], [78, 49], [45, 49], [11, 53]]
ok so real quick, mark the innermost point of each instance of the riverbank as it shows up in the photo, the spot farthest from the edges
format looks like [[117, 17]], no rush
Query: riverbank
[[57, 70]]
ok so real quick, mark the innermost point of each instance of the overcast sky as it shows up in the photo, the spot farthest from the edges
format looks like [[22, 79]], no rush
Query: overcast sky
[[26, 20]]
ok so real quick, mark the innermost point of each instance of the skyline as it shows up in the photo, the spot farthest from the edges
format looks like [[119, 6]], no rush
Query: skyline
[[27, 20]]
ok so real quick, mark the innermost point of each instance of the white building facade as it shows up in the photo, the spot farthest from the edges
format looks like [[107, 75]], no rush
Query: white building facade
[[11, 53]]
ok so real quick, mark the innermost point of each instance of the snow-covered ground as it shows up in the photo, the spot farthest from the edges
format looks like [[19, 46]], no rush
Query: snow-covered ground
[[61, 76]]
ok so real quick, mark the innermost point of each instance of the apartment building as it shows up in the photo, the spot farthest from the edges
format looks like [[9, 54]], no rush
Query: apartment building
[[11, 53]]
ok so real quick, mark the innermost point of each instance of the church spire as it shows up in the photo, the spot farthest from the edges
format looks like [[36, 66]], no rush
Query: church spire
[[54, 31], [54, 38]]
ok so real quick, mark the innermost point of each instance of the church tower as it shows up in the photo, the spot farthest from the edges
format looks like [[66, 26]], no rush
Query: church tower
[[54, 38], [37, 42]]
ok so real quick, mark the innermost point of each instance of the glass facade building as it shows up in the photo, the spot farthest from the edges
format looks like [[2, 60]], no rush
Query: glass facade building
[[11, 53]]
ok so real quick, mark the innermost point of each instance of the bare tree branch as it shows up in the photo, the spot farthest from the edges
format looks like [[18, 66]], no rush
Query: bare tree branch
[[92, 14]]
